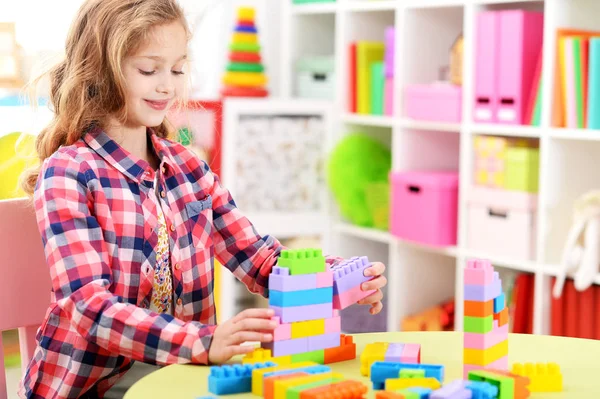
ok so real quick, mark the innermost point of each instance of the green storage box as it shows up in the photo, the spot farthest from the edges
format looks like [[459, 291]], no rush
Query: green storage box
[[315, 77], [522, 169]]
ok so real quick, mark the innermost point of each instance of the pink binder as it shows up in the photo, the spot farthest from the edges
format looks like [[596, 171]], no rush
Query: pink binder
[[486, 53], [520, 41]]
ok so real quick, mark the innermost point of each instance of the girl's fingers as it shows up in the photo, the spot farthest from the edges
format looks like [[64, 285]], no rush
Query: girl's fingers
[[254, 314], [376, 269], [249, 336], [374, 297], [375, 284], [254, 325], [376, 308]]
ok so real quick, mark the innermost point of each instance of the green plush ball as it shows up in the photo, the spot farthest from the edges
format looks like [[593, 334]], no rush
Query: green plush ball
[[355, 163]]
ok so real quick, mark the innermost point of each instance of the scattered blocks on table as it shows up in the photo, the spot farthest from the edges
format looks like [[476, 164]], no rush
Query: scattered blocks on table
[[281, 386], [317, 356], [482, 390], [348, 276], [381, 371], [544, 377], [269, 382], [230, 379], [297, 391], [259, 373], [346, 351], [373, 352], [509, 385], [411, 353], [259, 355], [403, 383], [351, 390], [412, 373], [302, 261], [453, 390]]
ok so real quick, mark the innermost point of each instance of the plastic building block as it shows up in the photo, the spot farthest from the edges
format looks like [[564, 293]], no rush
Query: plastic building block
[[479, 309], [500, 364], [259, 374], [544, 377], [287, 347], [390, 395], [480, 325], [301, 329], [324, 341], [300, 298], [333, 324], [482, 390], [346, 351], [325, 279], [290, 314], [351, 390], [483, 357], [453, 390], [280, 280], [478, 272], [283, 331], [295, 392], [402, 383], [259, 355], [224, 380], [317, 356], [411, 353], [349, 274], [307, 261], [484, 341], [423, 393], [381, 371], [499, 303], [282, 360], [373, 352], [394, 352], [350, 297], [520, 385], [269, 382], [505, 384], [412, 373], [502, 317], [281, 386], [483, 292]]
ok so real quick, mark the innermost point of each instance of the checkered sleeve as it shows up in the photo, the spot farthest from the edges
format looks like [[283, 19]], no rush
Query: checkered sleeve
[[80, 267]]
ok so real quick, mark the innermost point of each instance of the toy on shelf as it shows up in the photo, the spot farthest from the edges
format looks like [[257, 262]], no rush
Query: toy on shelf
[[485, 319], [436, 318], [245, 73], [543, 377], [390, 56], [407, 353], [316, 77]]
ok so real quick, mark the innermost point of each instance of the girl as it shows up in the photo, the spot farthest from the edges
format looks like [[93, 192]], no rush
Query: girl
[[130, 220]]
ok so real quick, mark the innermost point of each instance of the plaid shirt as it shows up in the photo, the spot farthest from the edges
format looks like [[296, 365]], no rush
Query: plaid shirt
[[98, 227]]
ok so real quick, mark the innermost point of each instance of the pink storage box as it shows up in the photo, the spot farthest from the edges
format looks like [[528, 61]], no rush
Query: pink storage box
[[425, 206], [502, 223], [437, 102]]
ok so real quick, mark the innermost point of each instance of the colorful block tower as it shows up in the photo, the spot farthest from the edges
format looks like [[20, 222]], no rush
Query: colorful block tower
[[306, 297], [485, 320], [245, 73]]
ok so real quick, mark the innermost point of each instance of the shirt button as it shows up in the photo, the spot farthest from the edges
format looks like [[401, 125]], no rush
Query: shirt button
[[163, 169], [172, 227], [177, 266], [179, 302], [163, 194]]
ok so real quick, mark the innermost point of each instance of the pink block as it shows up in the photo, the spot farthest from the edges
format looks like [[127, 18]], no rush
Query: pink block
[[500, 364], [336, 313], [485, 341], [349, 297], [325, 279], [411, 354], [519, 43], [389, 97], [486, 65], [424, 206], [438, 102], [283, 331], [478, 272], [333, 324]]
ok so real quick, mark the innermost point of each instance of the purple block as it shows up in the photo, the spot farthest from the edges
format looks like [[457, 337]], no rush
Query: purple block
[[394, 352], [454, 390], [288, 347], [325, 341], [349, 274], [290, 314], [280, 280], [484, 293], [389, 52]]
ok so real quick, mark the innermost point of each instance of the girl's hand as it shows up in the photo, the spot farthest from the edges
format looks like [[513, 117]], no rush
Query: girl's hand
[[249, 325], [379, 281]]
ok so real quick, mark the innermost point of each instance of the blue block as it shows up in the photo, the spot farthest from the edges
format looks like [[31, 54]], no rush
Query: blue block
[[319, 369], [381, 371], [246, 29], [300, 298], [230, 379], [499, 303], [482, 390], [423, 392]]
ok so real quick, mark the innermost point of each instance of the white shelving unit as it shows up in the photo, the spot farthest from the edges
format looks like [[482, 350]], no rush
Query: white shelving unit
[[419, 275]]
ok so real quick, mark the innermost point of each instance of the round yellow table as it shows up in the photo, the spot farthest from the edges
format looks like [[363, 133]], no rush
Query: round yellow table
[[579, 361]]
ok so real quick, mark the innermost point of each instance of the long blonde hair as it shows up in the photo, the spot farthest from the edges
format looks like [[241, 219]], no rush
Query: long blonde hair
[[88, 84]]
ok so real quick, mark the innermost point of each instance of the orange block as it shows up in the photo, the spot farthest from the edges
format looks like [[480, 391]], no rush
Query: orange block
[[502, 317], [479, 309], [346, 351], [388, 395], [269, 383], [521, 383], [351, 390]]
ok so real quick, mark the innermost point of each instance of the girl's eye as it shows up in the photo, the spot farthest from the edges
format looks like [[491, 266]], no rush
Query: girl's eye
[[146, 73], [178, 72]]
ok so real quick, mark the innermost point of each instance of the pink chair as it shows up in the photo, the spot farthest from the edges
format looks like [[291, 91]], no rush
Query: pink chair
[[24, 278]]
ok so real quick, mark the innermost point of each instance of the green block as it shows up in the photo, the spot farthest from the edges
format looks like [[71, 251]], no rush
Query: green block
[[245, 67], [377, 88], [245, 47], [411, 373], [522, 169], [295, 392], [314, 356], [506, 385], [302, 261], [408, 394], [480, 325]]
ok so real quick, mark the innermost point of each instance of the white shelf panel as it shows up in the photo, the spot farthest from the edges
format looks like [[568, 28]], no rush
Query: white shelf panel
[[288, 225], [448, 251], [316, 8], [369, 120], [433, 3], [575, 134], [552, 271], [513, 264], [373, 5], [483, 2], [505, 130], [430, 126], [364, 232]]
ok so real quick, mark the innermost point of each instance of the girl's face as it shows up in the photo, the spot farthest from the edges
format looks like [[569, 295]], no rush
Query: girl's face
[[154, 75]]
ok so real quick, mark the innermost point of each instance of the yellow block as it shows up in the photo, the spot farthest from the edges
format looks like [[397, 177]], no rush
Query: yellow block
[[302, 329], [282, 386], [483, 357], [543, 377], [244, 79], [258, 374], [282, 360], [392, 384], [245, 38], [374, 352], [246, 13], [259, 355]]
